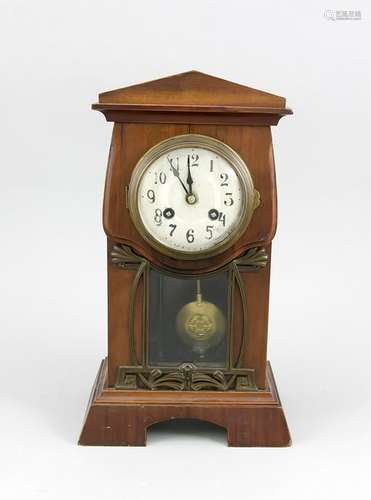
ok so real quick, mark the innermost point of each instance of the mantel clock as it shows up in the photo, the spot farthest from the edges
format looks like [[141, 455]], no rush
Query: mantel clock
[[190, 214]]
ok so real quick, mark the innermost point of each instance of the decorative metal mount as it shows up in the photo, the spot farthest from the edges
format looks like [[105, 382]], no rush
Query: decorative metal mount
[[123, 256], [253, 260], [185, 377]]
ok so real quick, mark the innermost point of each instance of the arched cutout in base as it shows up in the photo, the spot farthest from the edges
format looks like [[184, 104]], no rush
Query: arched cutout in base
[[184, 429]]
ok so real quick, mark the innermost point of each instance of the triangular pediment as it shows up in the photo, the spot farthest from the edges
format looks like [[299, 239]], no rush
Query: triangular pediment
[[192, 89]]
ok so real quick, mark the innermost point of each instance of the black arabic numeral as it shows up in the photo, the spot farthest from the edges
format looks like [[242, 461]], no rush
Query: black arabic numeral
[[209, 230], [224, 178], [195, 157], [160, 177], [151, 195], [158, 217], [173, 226], [190, 235], [222, 218], [229, 201]]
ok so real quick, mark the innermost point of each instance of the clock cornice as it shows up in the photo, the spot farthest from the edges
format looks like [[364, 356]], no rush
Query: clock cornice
[[188, 94]]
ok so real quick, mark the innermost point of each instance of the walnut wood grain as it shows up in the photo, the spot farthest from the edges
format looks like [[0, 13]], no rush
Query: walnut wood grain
[[121, 418], [257, 302], [192, 89], [119, 285], [185, 117]]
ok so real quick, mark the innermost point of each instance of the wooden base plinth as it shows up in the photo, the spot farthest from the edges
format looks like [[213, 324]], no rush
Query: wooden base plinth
[[121, 418]]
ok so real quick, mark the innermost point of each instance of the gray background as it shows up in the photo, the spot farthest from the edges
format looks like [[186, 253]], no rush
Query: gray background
[[55, 57]]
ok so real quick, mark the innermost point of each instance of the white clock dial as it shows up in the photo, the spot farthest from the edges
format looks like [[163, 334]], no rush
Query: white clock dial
[[191, 199]]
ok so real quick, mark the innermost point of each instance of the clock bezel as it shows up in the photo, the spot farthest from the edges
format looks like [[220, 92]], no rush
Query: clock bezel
[[250, 198]]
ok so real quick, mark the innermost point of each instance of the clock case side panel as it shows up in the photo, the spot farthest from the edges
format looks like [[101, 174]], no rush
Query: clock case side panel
[[256, 285], [130, 141], [122, 284]]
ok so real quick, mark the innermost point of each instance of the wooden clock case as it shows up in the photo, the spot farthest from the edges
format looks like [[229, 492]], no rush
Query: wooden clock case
[[144, 115]]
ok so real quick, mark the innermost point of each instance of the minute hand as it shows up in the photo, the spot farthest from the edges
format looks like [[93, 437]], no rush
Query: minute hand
[[176, 174]]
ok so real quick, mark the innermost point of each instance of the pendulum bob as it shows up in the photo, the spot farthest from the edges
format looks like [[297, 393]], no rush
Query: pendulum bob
[[200, 324]]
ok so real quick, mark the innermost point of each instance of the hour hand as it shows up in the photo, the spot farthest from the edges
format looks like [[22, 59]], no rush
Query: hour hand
[[175, 171], [189, 176]]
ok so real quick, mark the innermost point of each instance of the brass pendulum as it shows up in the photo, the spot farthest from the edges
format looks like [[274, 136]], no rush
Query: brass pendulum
[[200, 324]]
